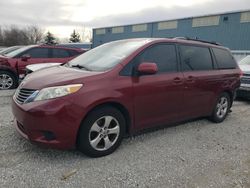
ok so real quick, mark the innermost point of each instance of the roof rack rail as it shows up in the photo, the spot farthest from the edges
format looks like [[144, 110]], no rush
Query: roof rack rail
[[198, 40]]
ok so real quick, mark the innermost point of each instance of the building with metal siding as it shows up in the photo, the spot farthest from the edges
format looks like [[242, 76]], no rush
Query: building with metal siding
[[231, 29]]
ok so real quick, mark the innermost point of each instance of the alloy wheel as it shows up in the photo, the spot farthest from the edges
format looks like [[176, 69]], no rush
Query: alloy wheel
[[222, 107], [104, 133], [6, 81]]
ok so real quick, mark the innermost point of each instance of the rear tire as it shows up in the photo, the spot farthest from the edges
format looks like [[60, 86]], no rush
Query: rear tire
[[7, 80], [101, 132], [221, 109]]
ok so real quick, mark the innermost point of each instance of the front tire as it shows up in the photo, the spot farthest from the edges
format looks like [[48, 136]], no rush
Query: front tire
[[7, 80], [101, 132], [221, 108]]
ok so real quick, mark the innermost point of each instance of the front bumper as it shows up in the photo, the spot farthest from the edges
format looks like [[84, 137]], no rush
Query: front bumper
[[244, 91], [52, 124]]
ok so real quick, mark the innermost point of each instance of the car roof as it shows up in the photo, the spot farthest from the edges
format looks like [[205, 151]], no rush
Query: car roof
[[179, 40]]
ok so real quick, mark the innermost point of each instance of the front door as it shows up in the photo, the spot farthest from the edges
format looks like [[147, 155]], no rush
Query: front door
[[37, 55], [158, 98]]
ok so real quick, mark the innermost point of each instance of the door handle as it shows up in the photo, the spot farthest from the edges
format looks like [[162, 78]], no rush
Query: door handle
[[177, 80], [190, 79]]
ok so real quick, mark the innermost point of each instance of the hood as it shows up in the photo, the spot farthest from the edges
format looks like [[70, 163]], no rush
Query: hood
[[245, 68], [3, 57], [55, 76], [39, 66]]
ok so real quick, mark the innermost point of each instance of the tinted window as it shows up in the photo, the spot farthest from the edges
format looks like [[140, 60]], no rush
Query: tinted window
[[73, 52], [224, 59], [164, 55], [195, 58], [60, 53], [38, 52]]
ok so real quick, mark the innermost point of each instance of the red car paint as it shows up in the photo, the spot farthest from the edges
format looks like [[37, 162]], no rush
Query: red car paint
[[17, 65], [147, 101]]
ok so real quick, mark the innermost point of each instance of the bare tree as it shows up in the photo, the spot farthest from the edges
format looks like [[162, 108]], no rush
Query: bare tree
[[1, 37], [35, 34], [13, 35], [85, 34]]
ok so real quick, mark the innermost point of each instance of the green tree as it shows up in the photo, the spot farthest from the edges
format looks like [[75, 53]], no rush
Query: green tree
[[50, 39], [74, 37]]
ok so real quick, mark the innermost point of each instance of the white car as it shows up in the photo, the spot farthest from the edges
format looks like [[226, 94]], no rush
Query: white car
[[244, 90]]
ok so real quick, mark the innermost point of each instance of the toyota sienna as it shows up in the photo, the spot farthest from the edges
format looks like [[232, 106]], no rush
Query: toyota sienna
[[123, 87]]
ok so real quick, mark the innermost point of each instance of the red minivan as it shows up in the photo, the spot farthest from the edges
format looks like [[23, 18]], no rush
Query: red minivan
[[123, 87], [12, 65]]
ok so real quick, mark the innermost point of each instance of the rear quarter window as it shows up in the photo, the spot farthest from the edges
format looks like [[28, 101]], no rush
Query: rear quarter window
[[224, 59]]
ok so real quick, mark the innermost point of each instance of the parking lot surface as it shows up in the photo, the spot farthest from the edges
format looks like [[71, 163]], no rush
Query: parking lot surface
[[193, 154]]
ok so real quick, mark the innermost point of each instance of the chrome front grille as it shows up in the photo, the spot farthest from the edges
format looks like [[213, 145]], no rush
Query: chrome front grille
[[245, 79], [23, 94], [246, 75]]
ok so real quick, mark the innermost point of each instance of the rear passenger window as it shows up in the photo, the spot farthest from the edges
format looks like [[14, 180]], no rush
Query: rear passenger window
[[195, 58], [38, 52], [224, 59], [164, 55], [60, 53]]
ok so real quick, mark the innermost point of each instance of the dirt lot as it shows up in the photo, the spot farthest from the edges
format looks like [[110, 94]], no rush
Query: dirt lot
[[194, 154]]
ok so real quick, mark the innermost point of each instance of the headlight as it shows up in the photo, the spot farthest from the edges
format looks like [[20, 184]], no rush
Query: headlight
[[58, 91]]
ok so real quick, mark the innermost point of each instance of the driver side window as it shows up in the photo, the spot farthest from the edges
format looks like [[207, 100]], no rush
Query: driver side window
[[164, 55]]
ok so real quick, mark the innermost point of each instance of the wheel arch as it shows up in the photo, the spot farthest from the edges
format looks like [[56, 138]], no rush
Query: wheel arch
[[231, 95], [14, 73], [113, 104]]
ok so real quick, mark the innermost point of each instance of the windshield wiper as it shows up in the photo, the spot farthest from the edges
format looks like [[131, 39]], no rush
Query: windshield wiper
[[80, 67]]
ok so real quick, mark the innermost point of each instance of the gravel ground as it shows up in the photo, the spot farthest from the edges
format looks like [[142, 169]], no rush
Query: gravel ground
[[194, 154]]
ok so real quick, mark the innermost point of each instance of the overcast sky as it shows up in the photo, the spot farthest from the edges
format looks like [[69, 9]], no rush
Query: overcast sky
[[62, 16]]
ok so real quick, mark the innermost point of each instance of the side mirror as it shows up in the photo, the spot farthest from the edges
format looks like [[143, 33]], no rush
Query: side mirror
[[147, 68], [25, 57]]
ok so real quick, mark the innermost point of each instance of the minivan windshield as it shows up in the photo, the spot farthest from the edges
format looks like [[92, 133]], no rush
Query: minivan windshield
[[245, 61], [107, 56]]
